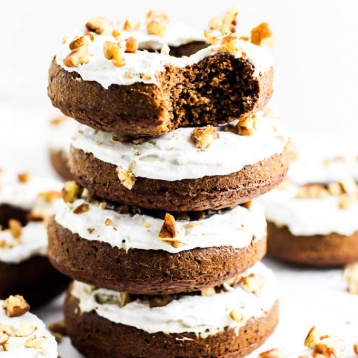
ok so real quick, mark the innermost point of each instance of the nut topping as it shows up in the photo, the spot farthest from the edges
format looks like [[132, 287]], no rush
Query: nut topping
[[78, 56], [247, 126], [35, 342], [131, 45], [312, 191], [252, 283], [213, 36], [203, 137], [131, 25], [157, 23], [207, 292], [24, 177], [236, 315], [15, 306], [15, 228], [125, 299], [126, 177], [225, 22], [262, 35], [99, 25], [355, 348], [82, 208], [160, 301], [231, 43], [114, 51], [84, 40], [25, 329], [50, 196], [169, 229], [70, 191]]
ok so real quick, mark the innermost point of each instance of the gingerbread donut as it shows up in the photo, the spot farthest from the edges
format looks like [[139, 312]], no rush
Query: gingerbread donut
[[121, 248], [60, 132], [22, 333], [114, 80], [312, 218], [26, 202], [243, 313], [173, 173]]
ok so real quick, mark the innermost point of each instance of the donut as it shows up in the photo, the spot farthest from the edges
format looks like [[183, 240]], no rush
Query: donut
[[147, 91], [243, 313], [60, 131], [22, 333], [312, 218], [123, 248], [171, 173], [26, 202]]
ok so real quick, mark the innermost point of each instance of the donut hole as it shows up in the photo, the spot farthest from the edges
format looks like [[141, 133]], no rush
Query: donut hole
[[8, 212]]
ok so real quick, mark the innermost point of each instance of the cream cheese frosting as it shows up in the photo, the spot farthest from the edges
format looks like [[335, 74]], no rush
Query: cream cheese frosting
[[314, 216], [144, 66], [188, 313], [174, 156], [236, 228], [27, 196], [16, 345]]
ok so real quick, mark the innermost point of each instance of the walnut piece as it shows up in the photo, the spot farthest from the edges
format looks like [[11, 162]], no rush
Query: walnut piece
[[50, 196], [207, 292], [70, 192], [82, 208], [125, 299], [78, 56], [252, 283], [169, 229], [35, 342], [261, 35], [272, 353], [15, 228], [314, 336], [157, 23], [160, 301], [203, 137], [213, 36], [24, 177], [355, 348], [126, 177], [131, 25], [115, 51], [131, 45], [236, 315], [84, 40], [99, 25], [225, 22], [246, 126], [15, 306], [350, 275], [25, 329], [231, 43]]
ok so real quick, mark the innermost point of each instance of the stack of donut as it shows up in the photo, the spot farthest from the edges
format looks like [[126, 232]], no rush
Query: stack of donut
[[159, 230]]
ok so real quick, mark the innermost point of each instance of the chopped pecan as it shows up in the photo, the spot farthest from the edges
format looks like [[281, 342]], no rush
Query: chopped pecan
[[203, 137], [15, 306]]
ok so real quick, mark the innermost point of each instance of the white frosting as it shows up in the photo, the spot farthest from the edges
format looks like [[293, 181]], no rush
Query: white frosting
[[314, 216], [25, 195], [59, 136], [188, 313], [235, 228], [144, 66], [48, 349], [174, 156], [33, 238]]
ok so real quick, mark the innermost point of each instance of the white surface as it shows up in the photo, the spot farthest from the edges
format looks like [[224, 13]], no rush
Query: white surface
[[308, 297], [316, 92]]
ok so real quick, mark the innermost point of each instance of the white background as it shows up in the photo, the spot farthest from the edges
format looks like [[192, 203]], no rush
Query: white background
[[315, 90]]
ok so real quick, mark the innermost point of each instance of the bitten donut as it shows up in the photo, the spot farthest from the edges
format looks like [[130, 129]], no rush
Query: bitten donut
[[312, 218], [128, 81], [182, 171], [60, 132], [110, 247], [229, 320], [22, 334], [26, 202]]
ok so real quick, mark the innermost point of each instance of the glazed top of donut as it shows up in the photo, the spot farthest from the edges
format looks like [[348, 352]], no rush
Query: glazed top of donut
[[320, 197], [188, 313], [110, 54], [28, 337], [38, 197]]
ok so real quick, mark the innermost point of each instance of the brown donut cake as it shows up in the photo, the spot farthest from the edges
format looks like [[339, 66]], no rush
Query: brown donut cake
[[312, 219], [60, 131], [243, 313], [107, 79], [122, 249], [26, 202], [180, 171]]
